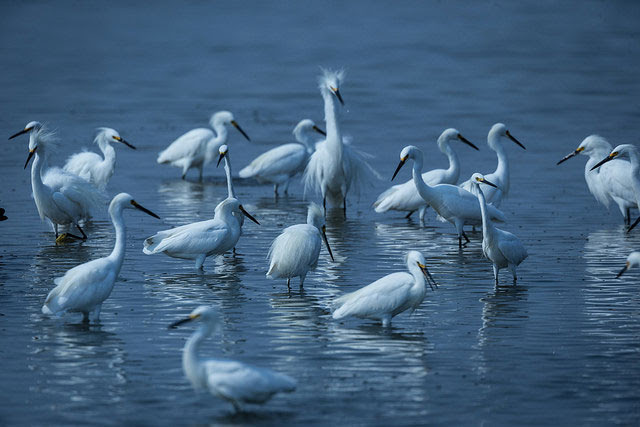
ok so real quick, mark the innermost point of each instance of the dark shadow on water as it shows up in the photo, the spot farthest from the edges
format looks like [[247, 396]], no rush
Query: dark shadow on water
[[251, 415]]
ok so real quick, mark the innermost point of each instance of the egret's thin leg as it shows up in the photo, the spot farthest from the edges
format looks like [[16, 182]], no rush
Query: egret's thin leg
[[324, 205], [344, 207], [465, 238], [275, 189], [302, 280], [84, 236], [627, 218], [407, 216], [495, 273], [289, 283]]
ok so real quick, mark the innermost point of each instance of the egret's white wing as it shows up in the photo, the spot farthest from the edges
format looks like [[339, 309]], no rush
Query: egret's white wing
[[287, 159], [197, 238], [511, 247], [190, 145]]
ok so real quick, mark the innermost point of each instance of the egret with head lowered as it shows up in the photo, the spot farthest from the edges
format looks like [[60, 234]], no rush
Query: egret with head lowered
[[389, 295], [633, 260], [296, 250], [199, 147], [612, 180], [282, 163], [63, 198], [91, 166], [502, 248], [233, 381], [85, 287], [454, 204], [500, 177], [405, 197]]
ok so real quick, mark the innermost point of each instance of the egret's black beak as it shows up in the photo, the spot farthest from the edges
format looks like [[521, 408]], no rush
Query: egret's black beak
[[31, 153], [182, 321], [248, 215], [466, 141], [320, 131], [605, 160], [511, 137], [25, 130], [237, 126], [625, 268], [117, 138], [402, 161], [143, 209], [570, 155], [326, 242], [484, 181], [221, 157], [336, 91], [432, 283]]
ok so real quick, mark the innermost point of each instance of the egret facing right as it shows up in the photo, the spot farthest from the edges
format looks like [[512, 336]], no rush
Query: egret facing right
[[233, 381], [500, 247], [389, 295], [294, 252]]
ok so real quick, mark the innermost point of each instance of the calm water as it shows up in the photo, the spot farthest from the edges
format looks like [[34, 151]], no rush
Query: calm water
[[562, 347]]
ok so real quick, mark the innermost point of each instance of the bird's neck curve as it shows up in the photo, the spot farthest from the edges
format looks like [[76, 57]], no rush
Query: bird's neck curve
[[334, 137], [38, 187], [227, 169], [424, 189], [418, 276], [108, 151], [117, 254], [454, 164], [190, 359], [487, 225]]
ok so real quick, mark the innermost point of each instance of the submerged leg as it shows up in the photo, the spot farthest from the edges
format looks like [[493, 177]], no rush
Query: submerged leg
[[344, 207], [302, 280], [96, 311], [386, 321], [289, 283], [512, 269], [85, 317], [627, 217], [200, 177], [275, 189], [200, 262], [324, 205], [84, 236], [465, 237], [422, 212], [407, 216], [495, 273]]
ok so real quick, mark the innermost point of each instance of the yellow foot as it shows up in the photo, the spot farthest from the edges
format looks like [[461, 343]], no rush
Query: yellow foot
[[61, 238]]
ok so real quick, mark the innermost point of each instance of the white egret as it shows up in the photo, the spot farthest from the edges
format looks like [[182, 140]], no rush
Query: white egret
[[630, 152], [62, 197], [296, 250], [86, 286], [335, 166], [405, 197], [91, 166], [500, 176], [454, 204], [224, 154], [389, 295], [633, 260], [282, 163], [500, 247], [201, 239], [612, 181], [198, 147], [233, 381]]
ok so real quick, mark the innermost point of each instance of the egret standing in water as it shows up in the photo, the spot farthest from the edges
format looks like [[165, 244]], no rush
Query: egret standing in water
[[294, 252], [199, 147], [335, 167], [500, 177], [389, 295], [282, 163], [630, 152], [612, 181], [633, 260], [85, 287], [91, 166], [235, 382], [500, 247], [62, 197], [405, 197], [201, 239], [454, 204]]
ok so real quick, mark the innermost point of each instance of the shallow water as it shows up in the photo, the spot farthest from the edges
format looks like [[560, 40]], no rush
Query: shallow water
[[563, 346]]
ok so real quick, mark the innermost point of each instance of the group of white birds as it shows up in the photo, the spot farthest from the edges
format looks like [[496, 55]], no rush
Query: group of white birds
[[330, 166]]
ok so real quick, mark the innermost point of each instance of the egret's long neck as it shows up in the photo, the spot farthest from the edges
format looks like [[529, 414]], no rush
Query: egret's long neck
[[117, 254], [190, 360], [501, 174], [334, 137], [40, 190], [454, 164], [227, 169], [221, 134], [417, 275], [108, 151], [424, 189], [305, 139], [635, 172], [487, 225]]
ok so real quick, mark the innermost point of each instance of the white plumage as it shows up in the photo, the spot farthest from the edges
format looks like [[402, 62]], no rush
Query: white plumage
[[85, 287], [612, 180], [201, 239], [500, 176], [62, 197], [405, 197], [389, 295], [282, 163], [454, 204], [91, 166], [296, 250], [236, 382], [500, 247], [199, 147], [633, 260], [335, 167]]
